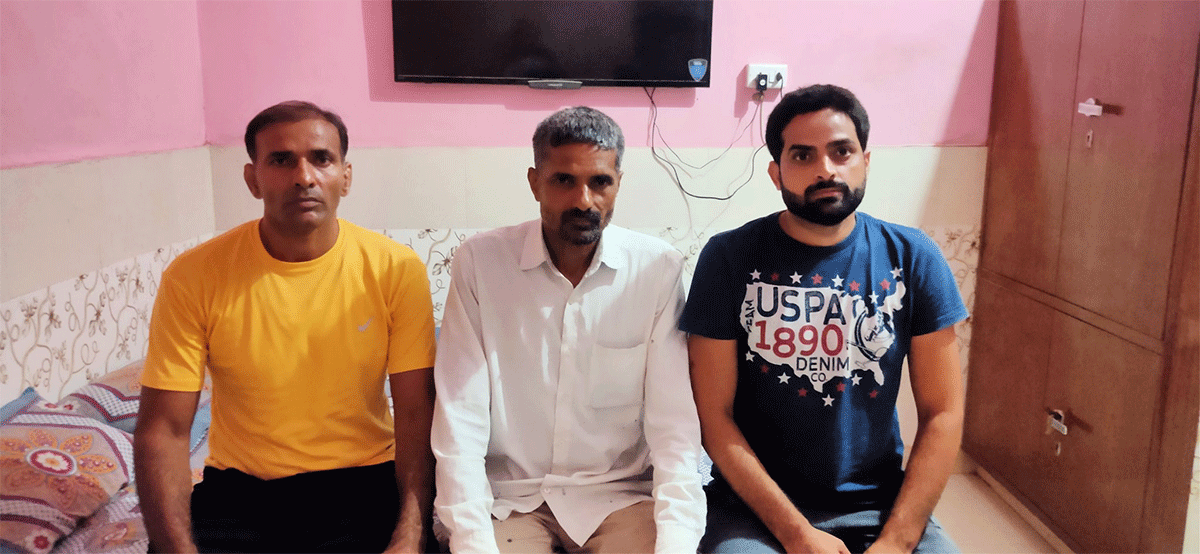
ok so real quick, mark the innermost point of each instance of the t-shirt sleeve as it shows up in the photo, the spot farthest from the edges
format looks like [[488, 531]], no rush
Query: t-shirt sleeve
[[177, 355], [411, 343], [712, 305], [937, 301]]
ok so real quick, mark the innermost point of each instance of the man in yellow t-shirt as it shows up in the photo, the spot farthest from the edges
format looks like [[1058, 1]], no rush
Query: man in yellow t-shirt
[[298, 318]]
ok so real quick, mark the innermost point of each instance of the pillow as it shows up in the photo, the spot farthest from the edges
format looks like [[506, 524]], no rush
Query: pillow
[[56, 468], [28, 396], [116, 529], [197, 456], [114, 397], [111, 398]]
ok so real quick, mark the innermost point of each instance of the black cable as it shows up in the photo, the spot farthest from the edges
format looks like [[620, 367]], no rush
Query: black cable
[[654, 129]]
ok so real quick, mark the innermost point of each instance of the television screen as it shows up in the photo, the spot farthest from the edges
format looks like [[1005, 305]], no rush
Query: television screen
[[610, 43]]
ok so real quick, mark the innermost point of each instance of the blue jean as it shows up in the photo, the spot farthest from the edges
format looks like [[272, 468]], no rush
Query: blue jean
[[734, 528]]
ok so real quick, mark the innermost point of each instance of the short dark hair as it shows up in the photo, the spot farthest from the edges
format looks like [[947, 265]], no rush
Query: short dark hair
[[289, 112], [811, 99], [578, 125]]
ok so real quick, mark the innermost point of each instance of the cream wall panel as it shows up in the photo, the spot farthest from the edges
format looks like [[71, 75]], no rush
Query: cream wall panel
[[487, 187], [232, 202], [63, 220]]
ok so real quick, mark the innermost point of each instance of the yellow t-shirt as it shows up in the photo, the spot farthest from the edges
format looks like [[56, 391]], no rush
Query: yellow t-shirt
[[299, 352]]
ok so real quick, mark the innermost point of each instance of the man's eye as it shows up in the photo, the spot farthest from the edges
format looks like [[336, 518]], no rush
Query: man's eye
[[800, 155]]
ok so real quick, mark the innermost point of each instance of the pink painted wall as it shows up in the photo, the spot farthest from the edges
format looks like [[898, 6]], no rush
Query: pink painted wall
[[95, 78], [923, 68], [89, 79]]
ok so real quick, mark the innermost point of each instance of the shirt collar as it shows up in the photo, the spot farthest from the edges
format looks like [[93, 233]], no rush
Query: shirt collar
[[535, 254]]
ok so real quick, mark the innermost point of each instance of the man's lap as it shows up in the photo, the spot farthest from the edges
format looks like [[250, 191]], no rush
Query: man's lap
[[734, 528], [630, 529], [342, 510]]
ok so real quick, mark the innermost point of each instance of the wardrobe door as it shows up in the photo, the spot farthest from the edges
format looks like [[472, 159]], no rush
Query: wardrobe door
[[1038, 46], [1137, 59], [1006, 410], [1109, 391]]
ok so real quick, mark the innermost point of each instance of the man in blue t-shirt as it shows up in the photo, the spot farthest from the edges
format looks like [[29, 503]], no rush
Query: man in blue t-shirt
[[799, 326]]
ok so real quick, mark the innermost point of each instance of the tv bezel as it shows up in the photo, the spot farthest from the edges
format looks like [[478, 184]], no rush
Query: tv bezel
[[566, 82]]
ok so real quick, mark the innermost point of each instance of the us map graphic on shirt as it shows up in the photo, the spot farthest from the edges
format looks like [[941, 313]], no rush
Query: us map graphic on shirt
[[819, 328]]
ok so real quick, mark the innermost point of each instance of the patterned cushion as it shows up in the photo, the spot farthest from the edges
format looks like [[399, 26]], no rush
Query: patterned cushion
[[112, 398], [116, 529], [56, 468]]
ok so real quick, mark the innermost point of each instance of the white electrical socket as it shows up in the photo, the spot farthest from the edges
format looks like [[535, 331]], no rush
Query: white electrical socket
[[776, 74]]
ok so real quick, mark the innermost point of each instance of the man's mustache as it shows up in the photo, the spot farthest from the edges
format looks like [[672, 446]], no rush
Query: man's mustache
[[840, 186], [592, 216]]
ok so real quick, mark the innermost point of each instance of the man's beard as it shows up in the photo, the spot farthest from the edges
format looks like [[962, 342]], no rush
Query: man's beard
[[827, 211], [582, 228]]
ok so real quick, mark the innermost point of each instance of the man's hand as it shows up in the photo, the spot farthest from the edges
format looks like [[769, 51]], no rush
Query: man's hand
[[815, 541]]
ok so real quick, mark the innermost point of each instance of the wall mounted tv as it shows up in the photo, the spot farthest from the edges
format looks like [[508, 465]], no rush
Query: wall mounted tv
[[554, 44]]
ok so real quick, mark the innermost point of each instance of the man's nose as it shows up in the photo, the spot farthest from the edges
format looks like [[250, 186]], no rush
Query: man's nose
[[584, 197], [305, 174], [828, 169]]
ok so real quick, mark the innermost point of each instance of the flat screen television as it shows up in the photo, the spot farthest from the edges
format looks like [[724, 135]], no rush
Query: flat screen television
[[554, 44]]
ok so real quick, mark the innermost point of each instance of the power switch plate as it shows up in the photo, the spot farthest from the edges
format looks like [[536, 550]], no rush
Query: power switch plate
[[776, 74]]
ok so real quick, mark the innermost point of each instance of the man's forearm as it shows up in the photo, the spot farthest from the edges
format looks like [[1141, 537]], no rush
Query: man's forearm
[[412, 393], [933, 456], [414, 477], [745, 473], [164, 489]]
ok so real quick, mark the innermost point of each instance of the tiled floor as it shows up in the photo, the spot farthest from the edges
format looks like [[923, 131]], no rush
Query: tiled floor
[[980, 522]]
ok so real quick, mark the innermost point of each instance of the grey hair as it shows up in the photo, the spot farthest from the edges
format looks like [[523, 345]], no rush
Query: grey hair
[[578, 125]]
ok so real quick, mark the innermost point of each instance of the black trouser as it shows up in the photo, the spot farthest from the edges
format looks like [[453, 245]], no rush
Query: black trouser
[[338, 510]]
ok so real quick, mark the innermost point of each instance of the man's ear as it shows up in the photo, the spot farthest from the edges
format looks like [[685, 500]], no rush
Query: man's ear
[[773, 171], [867, 159], [349, 174], [251, 180], [533, 179]]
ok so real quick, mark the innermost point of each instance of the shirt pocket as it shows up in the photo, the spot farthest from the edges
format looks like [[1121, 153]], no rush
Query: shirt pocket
[[618, 376]]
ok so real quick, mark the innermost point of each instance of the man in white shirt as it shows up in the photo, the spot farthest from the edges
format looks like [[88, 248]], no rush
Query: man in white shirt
[[564, 416]]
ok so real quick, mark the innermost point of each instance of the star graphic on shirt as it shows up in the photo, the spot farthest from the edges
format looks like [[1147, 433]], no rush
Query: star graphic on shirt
[[765, 369], [816, 278], [828, 400], [874, 393], [755, 275], [841, 387], [837, 281], [874, 298], [802, 392], [796, 277], [749, 356], [885, 285], [783, 379], [856, 379], [774, 277], [854, 286], [896, 273]]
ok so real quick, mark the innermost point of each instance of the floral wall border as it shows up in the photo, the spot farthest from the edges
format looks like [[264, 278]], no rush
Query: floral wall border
[[59, 338]]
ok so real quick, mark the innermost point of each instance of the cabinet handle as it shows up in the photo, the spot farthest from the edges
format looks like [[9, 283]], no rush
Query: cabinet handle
[[1056, 421], [1091, 108]]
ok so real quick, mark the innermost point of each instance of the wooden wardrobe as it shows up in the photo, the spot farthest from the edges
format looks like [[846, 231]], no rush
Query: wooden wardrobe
[[1083, 395]]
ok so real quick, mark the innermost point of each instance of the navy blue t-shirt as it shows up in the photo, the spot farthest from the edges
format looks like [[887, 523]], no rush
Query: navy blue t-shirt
[[822, 333]]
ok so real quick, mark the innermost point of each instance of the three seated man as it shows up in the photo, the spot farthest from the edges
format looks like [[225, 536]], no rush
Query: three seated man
[[573, 381]]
